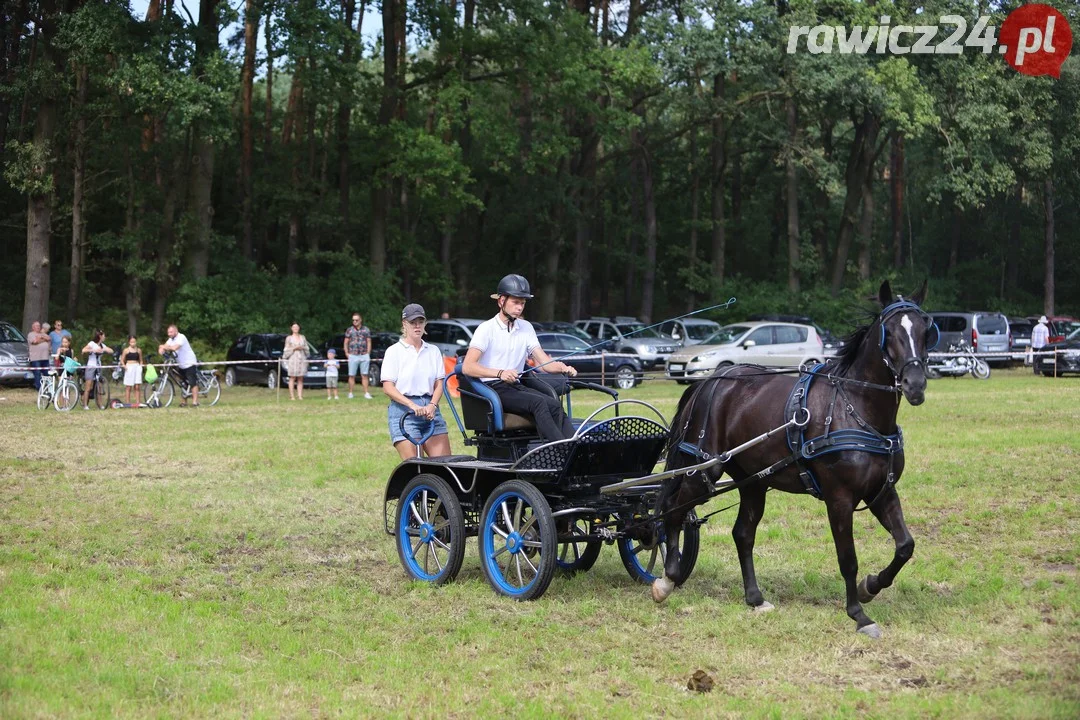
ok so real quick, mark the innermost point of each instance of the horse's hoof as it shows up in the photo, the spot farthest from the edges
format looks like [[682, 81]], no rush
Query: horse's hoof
[[865, 595], [871, 631], [764, 607], [661, 589]]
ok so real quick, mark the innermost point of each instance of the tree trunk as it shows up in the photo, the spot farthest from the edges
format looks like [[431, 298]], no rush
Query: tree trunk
[[247, 139], [956, 231], [166, 241], [40, 198], [896, 195], [1049, 232], [132, 286], [202, 171], [719, 142], [792, 192], [1012, 248], [381, 188], [344, 117], [866, 228], [695, 217], [268, 112], [859, 164], [78, 220]]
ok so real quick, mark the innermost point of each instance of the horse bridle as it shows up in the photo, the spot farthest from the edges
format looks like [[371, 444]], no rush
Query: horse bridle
[[932, 331]]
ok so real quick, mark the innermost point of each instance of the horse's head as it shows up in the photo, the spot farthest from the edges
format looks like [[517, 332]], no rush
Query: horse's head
[[907, 335]]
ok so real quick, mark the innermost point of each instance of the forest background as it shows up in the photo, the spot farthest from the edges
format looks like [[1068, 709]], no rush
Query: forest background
[[242, 164]]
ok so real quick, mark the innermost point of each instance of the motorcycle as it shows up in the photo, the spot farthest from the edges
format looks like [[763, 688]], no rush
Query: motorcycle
[[958, 360]]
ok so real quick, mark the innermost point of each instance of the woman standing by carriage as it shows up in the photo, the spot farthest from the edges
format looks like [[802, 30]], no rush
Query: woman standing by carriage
[[296, 361], [412, 374]]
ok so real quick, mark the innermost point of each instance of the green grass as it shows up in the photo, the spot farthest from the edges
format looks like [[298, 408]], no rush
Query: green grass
[[230, 561]]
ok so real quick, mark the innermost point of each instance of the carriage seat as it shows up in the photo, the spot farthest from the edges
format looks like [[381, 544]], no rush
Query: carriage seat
[[482, 410]]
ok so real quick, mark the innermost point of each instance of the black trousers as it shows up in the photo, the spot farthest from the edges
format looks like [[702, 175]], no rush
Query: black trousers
[[551, 420]]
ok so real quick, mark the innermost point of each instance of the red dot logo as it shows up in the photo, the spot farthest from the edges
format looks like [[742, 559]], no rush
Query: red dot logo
[[1036, 39]]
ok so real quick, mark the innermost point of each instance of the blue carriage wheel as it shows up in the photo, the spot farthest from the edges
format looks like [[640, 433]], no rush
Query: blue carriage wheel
[[430, 530], [518, 541], [577, 552], [644, 553]]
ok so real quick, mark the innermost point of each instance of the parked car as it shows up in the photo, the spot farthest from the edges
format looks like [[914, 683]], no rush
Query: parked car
[[14, 352], [1060, 326], [255, 350], [987, 333], [1066, 358], [380, 341], [629, 335], [832, 342], [763, 343], [1019, 337], [569, 328], [619, 369], [689, 331], [451, 335]]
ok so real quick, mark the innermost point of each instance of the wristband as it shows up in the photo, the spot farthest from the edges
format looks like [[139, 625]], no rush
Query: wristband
[[498, 375]]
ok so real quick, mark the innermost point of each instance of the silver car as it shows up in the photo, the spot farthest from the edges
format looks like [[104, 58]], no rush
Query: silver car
[[689, 331], [759, 343], [629, 335], [451, 335], [987, 333], [14, 353]]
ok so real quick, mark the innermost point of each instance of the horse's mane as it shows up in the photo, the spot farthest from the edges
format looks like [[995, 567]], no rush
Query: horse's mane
[[852, 344]]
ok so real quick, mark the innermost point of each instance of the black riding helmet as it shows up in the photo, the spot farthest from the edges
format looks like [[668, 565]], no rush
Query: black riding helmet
[[514, 286]]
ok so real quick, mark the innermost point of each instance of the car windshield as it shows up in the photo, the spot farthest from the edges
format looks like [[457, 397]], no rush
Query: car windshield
[[1074, 335], [1068, 327], [573, 343], [638, 330], [727, 334], [700, 332], [8, 333], [573, 330], [992, 325]]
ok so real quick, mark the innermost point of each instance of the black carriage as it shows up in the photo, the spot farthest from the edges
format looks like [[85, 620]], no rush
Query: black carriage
[[536, 507]]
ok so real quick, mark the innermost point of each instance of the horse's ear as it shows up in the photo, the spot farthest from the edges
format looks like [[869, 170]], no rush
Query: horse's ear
[[919, 295], [885, 296]]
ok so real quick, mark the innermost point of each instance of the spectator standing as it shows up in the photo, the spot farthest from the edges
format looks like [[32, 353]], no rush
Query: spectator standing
[[39, 351], [296, 361], [332, 365], [131, 357], [1040, 335], [94, 350], [185, 361], [58, 334], [358, 352], [64, 352], [412, 373]]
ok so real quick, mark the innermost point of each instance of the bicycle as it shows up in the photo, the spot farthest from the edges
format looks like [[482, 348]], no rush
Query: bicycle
[[161, 392], [66, 391]]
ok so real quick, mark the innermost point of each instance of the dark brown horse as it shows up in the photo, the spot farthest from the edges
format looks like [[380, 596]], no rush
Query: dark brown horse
[[849, 451]]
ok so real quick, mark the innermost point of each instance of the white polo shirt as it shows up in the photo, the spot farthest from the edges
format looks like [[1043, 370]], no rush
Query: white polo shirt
[[414, 372], [504, 348], [185, 356]]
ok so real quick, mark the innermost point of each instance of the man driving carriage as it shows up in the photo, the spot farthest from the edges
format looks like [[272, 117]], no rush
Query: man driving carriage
[[497, 354]]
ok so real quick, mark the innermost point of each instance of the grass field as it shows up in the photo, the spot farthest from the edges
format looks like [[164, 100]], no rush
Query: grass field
[[231, 561]]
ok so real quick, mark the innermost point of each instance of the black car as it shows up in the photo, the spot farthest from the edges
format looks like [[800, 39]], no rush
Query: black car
[[1066, 356], [380, 341], [1019, 336], [258, 355], [623, 370], [568, 328]]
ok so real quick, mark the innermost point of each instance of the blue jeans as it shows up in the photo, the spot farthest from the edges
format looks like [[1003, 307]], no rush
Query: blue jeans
[[44, 364]]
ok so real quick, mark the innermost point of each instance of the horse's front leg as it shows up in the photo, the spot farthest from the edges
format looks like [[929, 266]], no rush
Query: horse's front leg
[[889, 513], [662, 587], [840, 515], [744, 532]]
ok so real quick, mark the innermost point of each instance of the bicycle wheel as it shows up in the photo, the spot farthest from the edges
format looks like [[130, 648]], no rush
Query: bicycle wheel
[[165, 392], [67, 396], [101, 391], [210, 391], [45, 396]]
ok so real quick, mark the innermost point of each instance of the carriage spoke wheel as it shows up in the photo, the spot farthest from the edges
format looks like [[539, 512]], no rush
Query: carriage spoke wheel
[[518, 541], [577, 552], [645, 548], [430, 530]]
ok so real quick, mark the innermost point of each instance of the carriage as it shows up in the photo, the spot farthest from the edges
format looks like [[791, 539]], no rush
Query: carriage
[[829, 432], [536, 508]]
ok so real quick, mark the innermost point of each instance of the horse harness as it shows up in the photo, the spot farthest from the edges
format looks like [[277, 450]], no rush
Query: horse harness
[[864, 439]]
